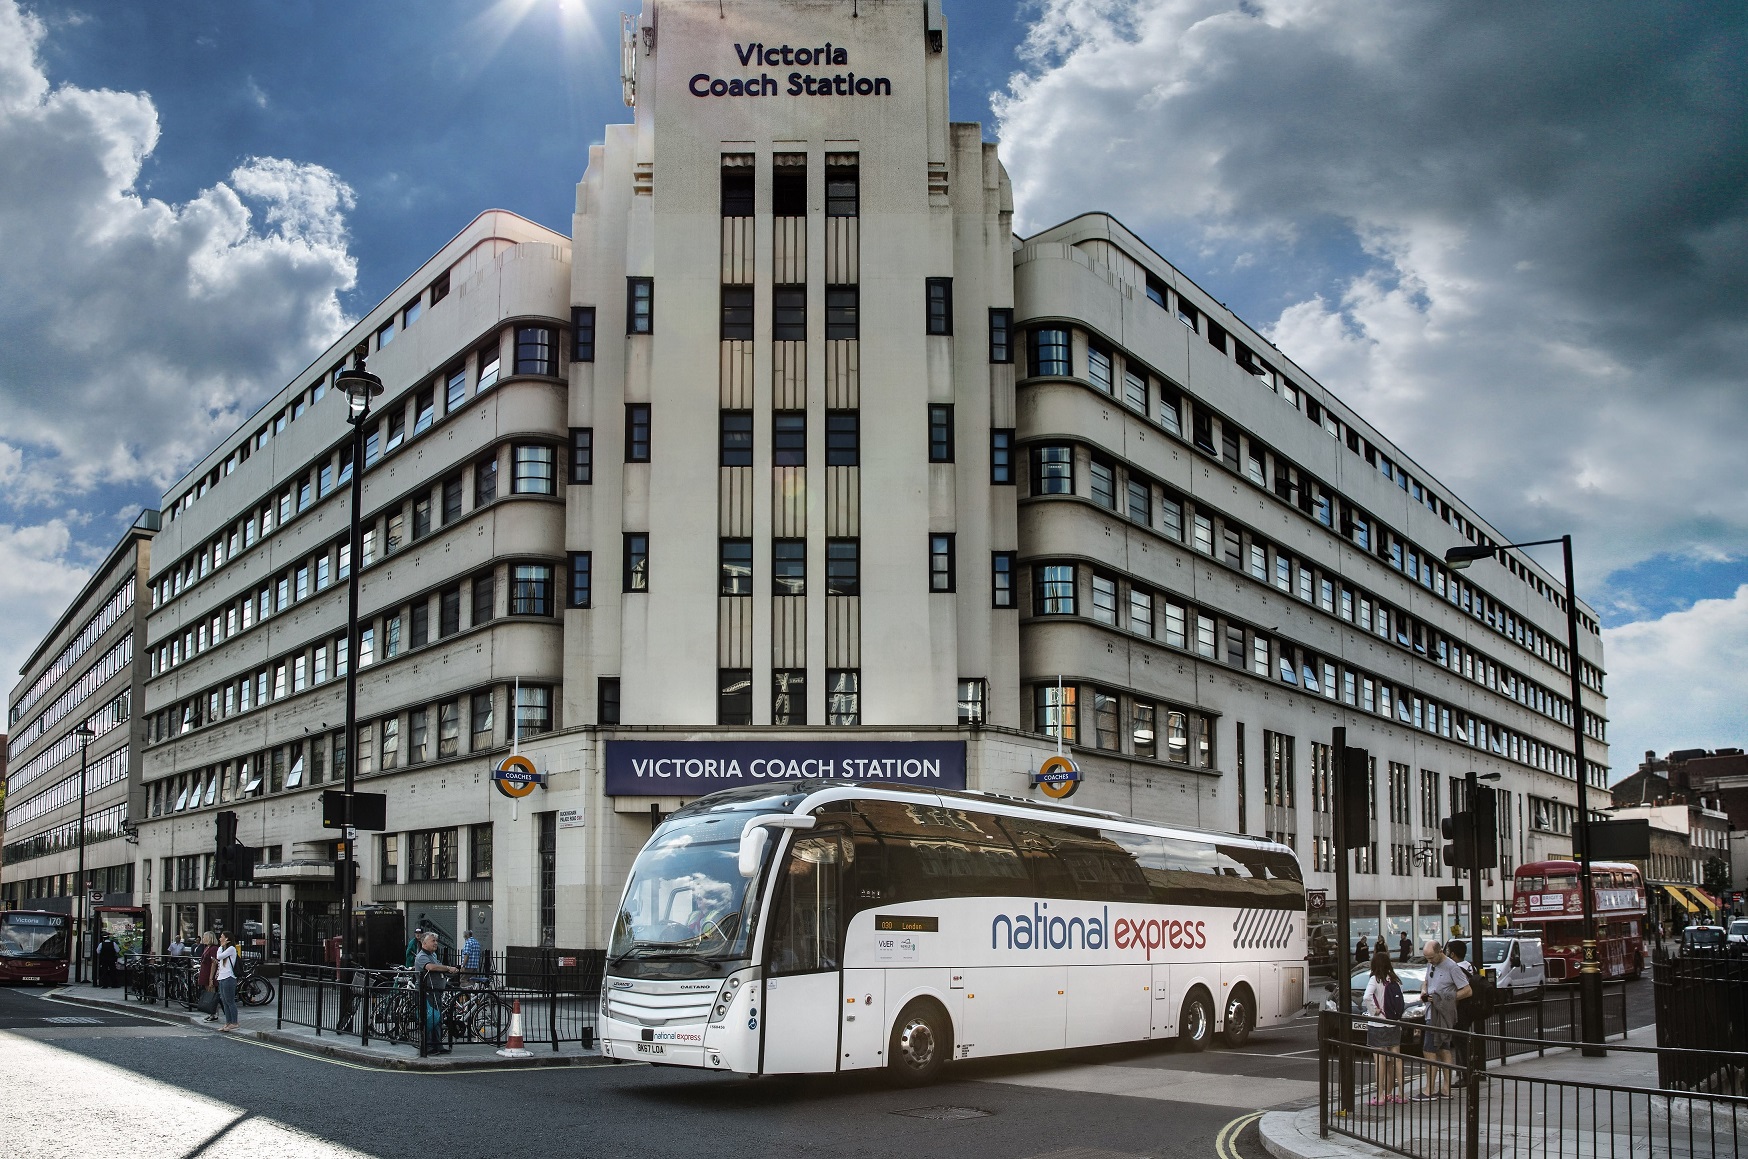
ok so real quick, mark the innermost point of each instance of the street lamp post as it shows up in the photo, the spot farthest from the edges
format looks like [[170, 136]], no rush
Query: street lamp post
[[360, 387], [1590, 972], [84, 733]]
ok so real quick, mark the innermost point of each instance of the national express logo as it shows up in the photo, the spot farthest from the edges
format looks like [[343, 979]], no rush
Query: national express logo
[[1042, 931], [1262, 929]]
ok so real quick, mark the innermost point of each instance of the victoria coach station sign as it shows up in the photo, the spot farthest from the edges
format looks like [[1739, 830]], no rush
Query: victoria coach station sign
[[637, 768]]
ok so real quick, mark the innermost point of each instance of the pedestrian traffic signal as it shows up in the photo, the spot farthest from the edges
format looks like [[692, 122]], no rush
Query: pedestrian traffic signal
[[226, 823], [1459, 830], [1486, 828]]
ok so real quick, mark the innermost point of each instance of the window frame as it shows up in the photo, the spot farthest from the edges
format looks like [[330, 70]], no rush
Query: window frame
[[943, 563], [582, 333], [735, 321], [938, 307], [742, 424], [941, 432], [582, 456], [638, 418], [835, 428], [581, 592], [1001, 335], [634, 558], [1001, 457], [639, 306], [1003, 593], [836, 583]]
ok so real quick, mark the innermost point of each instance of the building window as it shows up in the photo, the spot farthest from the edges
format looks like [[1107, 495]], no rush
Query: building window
[[1001, 335], [789, 438], [843, 567], [637, 432], [582, 333], [582, 455], [942, 577], [424, 414], [640, 305], [841, 313], [1053, 470], [1001, 456], [1053, 589], [431, 855], [737, 192], [448, 729], [488, 365], [448, 612], [536, 350], [940, 305], [973, 701], [737, 314], [483, 597], [480, 721], [841, 192], [1107, 721], [531, 589], [1099, 369], [1053, 711], [940, 433], [385, 334], [1001, 576], [843, 696], [843, 438], [1140, 611], [485, 481], [388, 859], [607, 700], [789, 314], [736, 438], [1104, 484], [789, 696], [546, 862], [789, 567], [389, 750], [533, 709], [533, 470], [1104, 599], [451, 503], [1048, 351], [789, 191], [1134, 390], [737, 568], [637, 561], [734, 696], [582, 579], [1140, 502], [479, 851]]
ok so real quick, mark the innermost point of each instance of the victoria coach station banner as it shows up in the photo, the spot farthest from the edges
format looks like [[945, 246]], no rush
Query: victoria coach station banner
[[654, 768]]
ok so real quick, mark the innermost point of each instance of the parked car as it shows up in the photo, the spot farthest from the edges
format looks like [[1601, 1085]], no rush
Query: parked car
[[1703, 940], [1514, 958], [1736, 938], [1412, 975]]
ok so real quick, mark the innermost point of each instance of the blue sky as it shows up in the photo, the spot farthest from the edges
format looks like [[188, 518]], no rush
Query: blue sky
[[1514, 240]]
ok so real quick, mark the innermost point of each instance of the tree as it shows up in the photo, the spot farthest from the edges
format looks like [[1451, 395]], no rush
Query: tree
[[1717, 875]]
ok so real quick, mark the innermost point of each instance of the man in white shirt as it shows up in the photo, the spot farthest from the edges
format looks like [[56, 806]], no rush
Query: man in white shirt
[[1445, 986]]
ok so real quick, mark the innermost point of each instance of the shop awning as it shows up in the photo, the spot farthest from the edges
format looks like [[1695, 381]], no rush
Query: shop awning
[[1674, 891], [1705, 900]]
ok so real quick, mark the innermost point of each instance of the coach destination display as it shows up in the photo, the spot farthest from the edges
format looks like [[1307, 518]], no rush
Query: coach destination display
[[692, 768]]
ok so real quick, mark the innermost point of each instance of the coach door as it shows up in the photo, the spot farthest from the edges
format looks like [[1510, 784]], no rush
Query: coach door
[[804, 956]]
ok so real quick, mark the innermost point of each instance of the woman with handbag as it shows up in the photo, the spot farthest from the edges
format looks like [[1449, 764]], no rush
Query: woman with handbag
[[227, 980], [206, 977]]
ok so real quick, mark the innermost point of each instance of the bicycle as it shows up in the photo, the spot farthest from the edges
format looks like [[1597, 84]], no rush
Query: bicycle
[[394, 1011], [473, 1012], [252, 988]]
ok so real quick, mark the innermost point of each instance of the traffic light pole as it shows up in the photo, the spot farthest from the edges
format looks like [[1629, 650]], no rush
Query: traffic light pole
[[349, 863], [1343, 908], [1590, 971]]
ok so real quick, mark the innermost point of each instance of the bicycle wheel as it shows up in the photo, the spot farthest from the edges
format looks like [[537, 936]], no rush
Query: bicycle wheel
[[255, 991], [383, 1020], [486, 1018]]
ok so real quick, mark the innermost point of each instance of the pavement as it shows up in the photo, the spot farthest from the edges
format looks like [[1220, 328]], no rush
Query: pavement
[[261, 1024]]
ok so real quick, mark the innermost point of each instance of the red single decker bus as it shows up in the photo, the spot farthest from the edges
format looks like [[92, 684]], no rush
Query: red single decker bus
[[33, 946], [1545, 900]]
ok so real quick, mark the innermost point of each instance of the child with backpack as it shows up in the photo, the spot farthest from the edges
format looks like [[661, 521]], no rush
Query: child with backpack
[[1384, 1000]]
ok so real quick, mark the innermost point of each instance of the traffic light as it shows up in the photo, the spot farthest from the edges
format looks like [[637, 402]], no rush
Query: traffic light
[[227, 829], [1459, 830], [236, 862], [1485, 828], [1354, 797]]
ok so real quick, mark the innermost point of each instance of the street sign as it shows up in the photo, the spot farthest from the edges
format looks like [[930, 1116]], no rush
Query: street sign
[[1058, 777], [571, 818], [1316, 899], [369, 810], [96, 897], [515, 777]]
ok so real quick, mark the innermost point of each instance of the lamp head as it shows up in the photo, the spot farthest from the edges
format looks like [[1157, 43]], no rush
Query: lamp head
[[84, 732], [1458, 558], [358, 384]]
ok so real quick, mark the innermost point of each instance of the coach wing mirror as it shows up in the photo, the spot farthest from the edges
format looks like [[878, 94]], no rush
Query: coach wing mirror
[[755, 837]]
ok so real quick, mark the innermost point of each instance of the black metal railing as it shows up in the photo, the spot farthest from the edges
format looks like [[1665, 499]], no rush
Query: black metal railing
[[1701, 1003], [559, 996], [1382, 1098]]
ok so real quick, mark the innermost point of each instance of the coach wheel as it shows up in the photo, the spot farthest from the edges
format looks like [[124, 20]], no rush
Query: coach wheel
[[1240, 1018], [1195, 1025], [920, 1041]]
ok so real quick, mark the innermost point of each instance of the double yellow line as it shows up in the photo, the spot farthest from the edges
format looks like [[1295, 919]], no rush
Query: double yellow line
[[1226, 1142]]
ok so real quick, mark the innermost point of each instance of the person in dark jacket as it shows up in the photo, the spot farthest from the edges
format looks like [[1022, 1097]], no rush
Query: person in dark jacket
[[1403, 947], [108, 953], [1362, 952]]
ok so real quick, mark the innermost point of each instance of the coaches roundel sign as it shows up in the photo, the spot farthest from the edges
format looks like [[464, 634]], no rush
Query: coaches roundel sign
[[515, 776], [1057, 777]]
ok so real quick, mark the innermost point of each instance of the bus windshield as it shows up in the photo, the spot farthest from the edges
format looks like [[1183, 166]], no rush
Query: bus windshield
[[33, 936], [686, 894]]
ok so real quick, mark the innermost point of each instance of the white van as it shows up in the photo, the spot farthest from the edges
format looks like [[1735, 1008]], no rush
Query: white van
[[1514, 958]]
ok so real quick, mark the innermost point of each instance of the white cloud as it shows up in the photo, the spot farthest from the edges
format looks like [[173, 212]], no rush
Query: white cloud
[[41, 567], [138, 332], [1551, 312], [1680, 681]]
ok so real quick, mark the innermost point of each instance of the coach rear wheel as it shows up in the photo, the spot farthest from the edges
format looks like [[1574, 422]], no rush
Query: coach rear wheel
[[919, 1045], [1240, 1019], [1195, 1024]]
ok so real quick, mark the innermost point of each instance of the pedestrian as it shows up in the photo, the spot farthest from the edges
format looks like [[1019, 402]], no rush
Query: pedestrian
[[108, 953], [177, 949], [206, 972], [470, 952], [413, 945], [430, 970], [226, 961], [1361, 951], [1466, 1018], [1444, 987], [1383, 1005], [1403, 947]]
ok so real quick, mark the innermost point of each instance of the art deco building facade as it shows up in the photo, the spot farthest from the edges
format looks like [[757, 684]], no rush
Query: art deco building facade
[[793, 460]]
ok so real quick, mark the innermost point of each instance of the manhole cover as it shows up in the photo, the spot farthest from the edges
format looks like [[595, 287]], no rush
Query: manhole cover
[[944, 1113], [74, 1020]]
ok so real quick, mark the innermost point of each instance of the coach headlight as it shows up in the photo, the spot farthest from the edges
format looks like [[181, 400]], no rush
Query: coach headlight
[[725, 996]]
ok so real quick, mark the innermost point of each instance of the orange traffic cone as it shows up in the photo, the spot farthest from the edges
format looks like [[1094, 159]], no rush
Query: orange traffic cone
[[514, 1048]]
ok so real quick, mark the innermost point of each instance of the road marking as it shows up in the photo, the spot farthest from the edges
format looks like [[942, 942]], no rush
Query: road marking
[[74, 1020], [1226, 1142]]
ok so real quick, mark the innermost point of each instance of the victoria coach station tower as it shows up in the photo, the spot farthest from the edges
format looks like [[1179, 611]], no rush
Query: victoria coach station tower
[[794, 461]]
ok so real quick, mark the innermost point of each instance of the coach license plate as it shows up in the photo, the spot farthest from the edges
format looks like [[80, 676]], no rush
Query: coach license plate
[[33, 978], [651, 1048]]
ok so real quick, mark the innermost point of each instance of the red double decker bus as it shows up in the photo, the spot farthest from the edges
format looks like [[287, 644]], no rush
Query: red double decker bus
[[33, 946], [1545, 900]]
